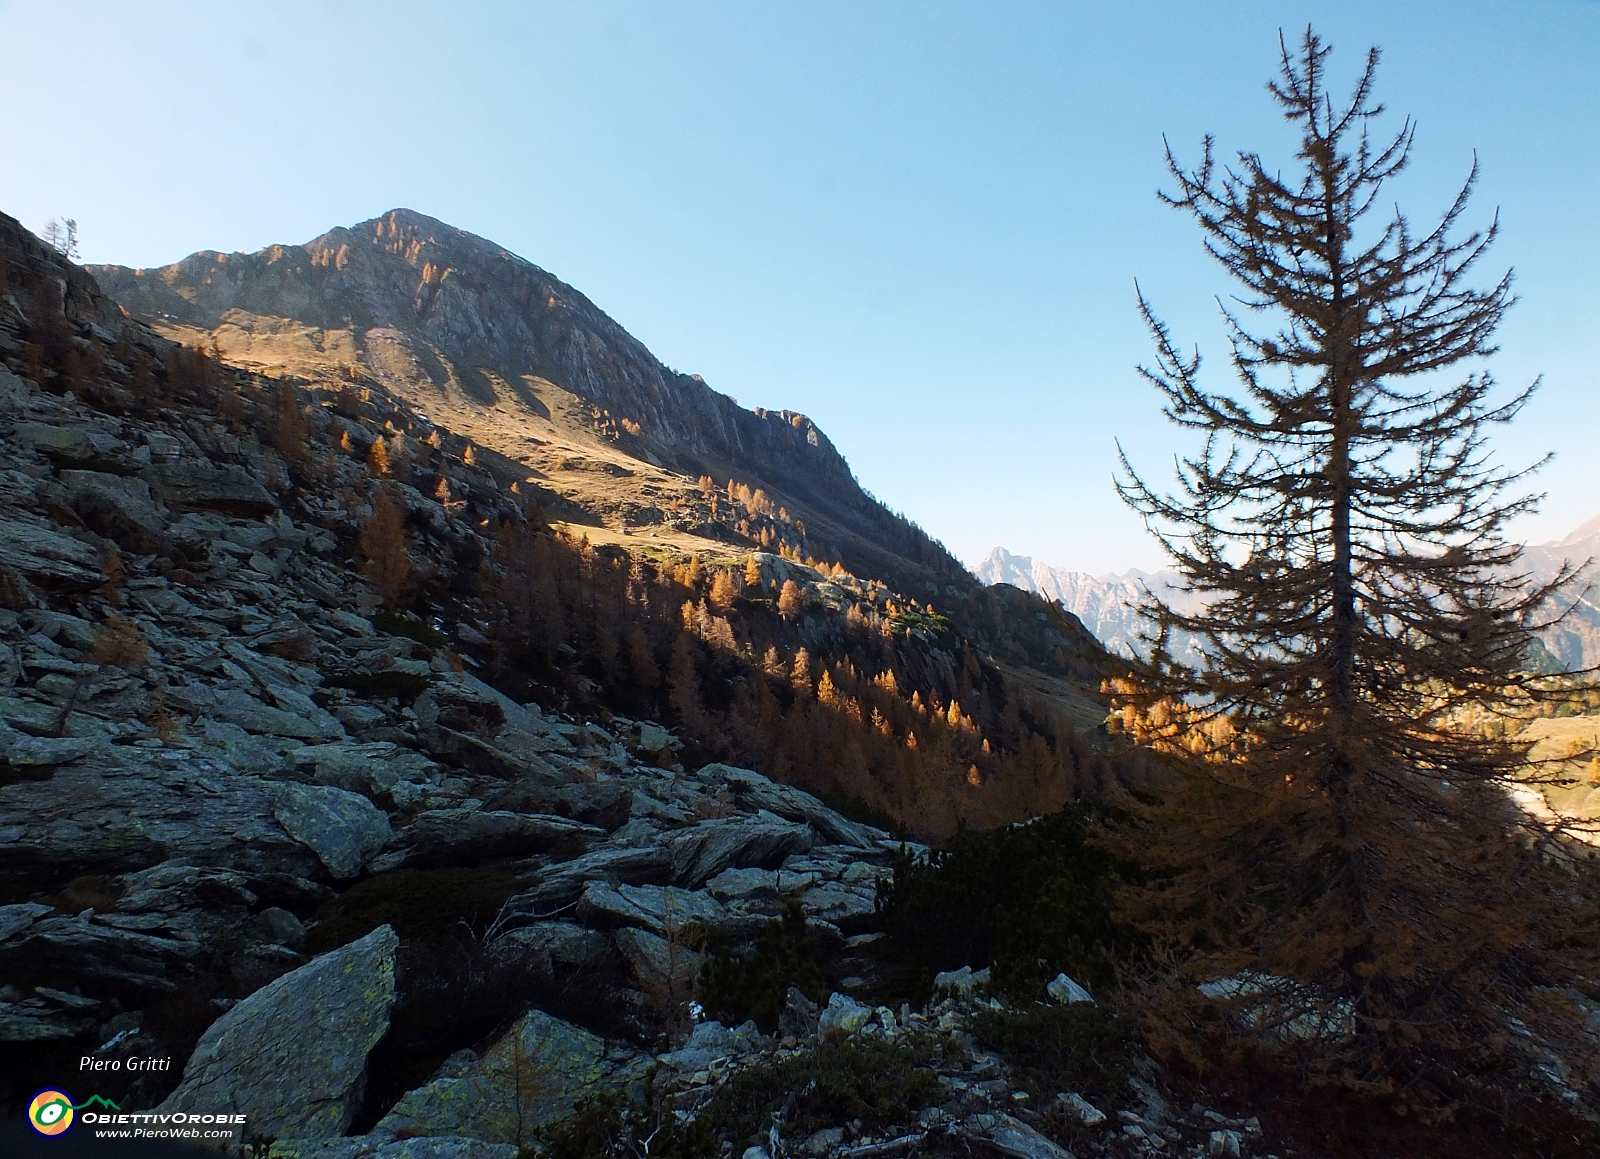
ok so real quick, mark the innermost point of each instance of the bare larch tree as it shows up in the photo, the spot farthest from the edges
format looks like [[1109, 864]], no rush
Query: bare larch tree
[[1337, 819]]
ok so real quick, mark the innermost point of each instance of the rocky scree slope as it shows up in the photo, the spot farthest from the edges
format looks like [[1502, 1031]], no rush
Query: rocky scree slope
[[228, 800], [215, 722], [251, 823]]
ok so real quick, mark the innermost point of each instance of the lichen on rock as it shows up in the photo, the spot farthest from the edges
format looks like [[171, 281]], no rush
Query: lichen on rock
[[292, 1057]]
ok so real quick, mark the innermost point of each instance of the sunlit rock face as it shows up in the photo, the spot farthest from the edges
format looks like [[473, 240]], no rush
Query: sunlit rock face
[[444, 318]]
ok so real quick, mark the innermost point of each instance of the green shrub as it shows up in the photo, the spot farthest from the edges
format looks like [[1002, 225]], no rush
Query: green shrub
[[1031, 900], [601, 1128], [1077, 1047], [192, 551], [423, 905], [411, 627], [380, 685], [735, 987], [855, 809], [868, 1077]]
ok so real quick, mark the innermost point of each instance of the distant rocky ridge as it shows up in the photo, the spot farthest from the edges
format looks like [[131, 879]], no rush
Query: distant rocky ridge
[[1107, 604], [1573, 641]]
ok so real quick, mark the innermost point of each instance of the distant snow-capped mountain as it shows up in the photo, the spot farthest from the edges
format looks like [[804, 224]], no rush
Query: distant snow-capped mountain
[[1575, 640], [1105, 604]]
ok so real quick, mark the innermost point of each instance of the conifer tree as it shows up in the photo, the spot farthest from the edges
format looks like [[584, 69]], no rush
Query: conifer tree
[[383, 548], [290, 434], [723, 591], [791, 601], [800, 675], [1333, 824]]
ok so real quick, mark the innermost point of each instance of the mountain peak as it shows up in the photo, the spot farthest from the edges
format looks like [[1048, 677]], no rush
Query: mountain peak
[[1586, 530], [488, 343]]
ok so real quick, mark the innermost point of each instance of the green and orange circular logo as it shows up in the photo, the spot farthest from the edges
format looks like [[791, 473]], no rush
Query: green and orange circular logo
[[50, 1112]]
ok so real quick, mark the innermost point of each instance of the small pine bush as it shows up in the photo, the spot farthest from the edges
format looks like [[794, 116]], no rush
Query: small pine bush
[[1031, 900], [1078, 1047], [882, 1083], [423, 905], [735, 988]]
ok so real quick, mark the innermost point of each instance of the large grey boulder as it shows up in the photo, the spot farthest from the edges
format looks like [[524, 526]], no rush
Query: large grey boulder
[[16, 918], [472, 836], [533, 1076], [31, 752], [175, 888], [462, 701], [245, 751], [189, 485], [87, 947], [37, 1019], [843, 1016], [710, 1041], [655, 741], [119, 508], [1064, 990], [603, 803], [663, 910], [479, 756], [541, 947], [758, 885], [344, 829], [702, 851], [69, 443], [754, 791], [293, 1056], [274, 672], [560, 885], [27, 716], [236, 706], [47, 557], [378, 769], [664, 966], [851, 908], [121, 808]]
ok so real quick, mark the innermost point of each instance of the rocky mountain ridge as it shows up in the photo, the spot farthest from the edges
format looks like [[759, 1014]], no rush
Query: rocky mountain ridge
[[503, 352], [1106, 604], [558, 397], [235, 788], [1573, 641]]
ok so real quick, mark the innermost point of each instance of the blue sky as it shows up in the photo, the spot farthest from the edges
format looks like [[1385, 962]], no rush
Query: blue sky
[[919, 223]]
